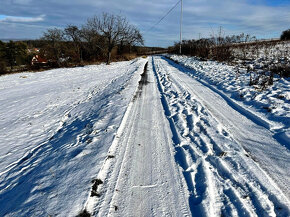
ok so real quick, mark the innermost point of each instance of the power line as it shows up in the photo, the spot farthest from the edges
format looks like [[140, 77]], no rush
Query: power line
[[163, 17], [180, 27]]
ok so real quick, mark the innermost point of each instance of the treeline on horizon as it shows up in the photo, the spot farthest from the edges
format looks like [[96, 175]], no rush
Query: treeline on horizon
[[262, 59], [110, 37], [224, 48], [101, 39]]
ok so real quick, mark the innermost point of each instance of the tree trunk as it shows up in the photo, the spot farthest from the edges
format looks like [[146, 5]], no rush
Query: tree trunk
[[109, 57], [81, 55]]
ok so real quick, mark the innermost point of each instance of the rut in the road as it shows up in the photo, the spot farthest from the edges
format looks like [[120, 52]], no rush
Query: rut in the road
[[220, 176], [143, 81], [142, 178]]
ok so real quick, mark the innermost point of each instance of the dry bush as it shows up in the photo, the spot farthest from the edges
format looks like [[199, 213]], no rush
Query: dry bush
[[3, 67]]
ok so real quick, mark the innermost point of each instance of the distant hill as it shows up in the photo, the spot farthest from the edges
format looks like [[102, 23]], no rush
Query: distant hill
[[13, 39]]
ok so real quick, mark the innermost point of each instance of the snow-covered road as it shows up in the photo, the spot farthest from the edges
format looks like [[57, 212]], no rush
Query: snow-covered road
[[225, 159], [168, 145], [141, 178], [248, 129], [232, 165]]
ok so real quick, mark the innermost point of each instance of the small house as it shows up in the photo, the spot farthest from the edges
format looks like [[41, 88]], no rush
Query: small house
[[37, 60]]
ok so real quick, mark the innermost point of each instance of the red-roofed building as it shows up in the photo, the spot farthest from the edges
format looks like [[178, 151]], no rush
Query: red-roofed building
[[37, 60]]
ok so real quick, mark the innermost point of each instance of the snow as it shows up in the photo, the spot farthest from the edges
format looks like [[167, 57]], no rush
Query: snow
[[271, 106], [56, 127], [267, 51], [142, 178], [232, 166], [121, 140]]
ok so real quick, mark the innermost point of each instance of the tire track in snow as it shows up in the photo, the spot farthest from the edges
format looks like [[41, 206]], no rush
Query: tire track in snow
[[142, 179], [221, 178], [262, 143]]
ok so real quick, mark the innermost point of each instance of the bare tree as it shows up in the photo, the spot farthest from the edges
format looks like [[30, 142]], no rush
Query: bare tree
[[54, 37], [91, 41], [74, 34], [132, 37], [115, 30]]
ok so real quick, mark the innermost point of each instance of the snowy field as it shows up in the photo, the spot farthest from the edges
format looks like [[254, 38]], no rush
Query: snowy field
[[268, 51], [124, 140], [56, 127]]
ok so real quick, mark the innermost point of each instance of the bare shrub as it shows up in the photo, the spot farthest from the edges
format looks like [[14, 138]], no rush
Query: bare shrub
[[3, 67], [285, 35]]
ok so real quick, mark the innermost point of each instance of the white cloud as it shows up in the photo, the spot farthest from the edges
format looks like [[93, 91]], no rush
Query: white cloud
[[16, 19]]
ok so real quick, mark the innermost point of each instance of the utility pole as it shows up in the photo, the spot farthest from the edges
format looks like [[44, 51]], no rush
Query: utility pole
[[180, 28]]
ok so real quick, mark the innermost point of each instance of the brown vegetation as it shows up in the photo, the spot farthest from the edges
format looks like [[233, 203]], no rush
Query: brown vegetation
[[102, 38], [263, 59]]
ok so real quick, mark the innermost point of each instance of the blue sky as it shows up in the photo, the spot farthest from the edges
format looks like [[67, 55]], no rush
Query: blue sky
[[262, 18]]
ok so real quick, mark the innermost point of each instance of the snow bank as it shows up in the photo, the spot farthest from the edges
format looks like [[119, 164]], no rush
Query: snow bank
[[271, 105]]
